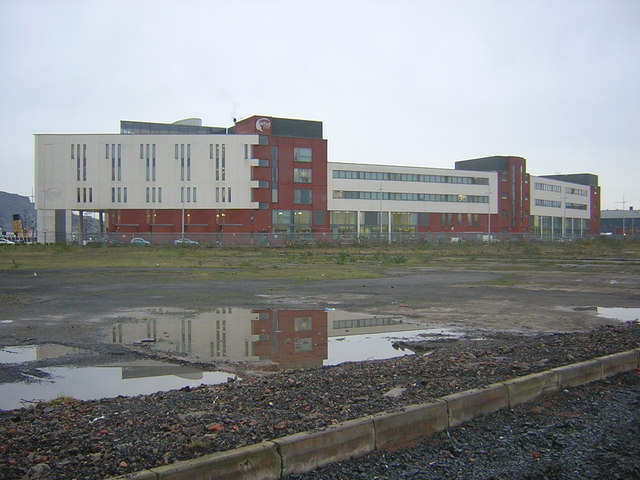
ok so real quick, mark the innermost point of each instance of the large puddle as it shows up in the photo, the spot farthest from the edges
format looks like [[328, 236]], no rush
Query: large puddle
[[271, 339], [267, 339], [86, 383], [621, 314]]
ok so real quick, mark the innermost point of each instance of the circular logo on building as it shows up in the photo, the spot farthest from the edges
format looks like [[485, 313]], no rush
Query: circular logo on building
[[263, 125]]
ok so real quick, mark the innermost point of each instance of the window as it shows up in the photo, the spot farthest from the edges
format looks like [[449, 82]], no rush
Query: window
[[302, 175], [303, 345], [505, 195], [302, 196], [223, 162], [504, 213], [301, 154], [302, 324], [179, 148], [217, 162]]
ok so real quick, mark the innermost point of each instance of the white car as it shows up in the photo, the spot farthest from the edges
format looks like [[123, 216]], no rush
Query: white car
[[4, 241], [185, 242]]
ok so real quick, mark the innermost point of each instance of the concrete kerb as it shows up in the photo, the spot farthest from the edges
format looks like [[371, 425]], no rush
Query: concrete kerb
[[531, 387], [302, 452], [464, 406], [401, 429]]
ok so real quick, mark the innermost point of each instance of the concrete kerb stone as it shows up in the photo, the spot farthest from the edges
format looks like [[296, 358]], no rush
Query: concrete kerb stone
[[253, 462], [303, 452], [141, 475], [401, 429], [531, 387], [579, 373], [618, 363], [466, 405]]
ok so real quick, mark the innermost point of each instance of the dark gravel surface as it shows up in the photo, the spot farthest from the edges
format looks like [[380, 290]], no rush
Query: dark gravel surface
[[589, 432], [97, 439]]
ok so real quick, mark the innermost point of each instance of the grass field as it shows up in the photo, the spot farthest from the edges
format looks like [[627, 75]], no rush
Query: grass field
[[353, 261]]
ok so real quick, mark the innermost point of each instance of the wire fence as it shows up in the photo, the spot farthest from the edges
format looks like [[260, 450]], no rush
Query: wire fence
[[324, 238]]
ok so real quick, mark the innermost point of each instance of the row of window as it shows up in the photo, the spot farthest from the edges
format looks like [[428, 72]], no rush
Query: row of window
[[576, 191], [407, 196], [152, 194], [408, 177], [401, 221], [547, 187], [558, 204], [548, 203], [558, 189]]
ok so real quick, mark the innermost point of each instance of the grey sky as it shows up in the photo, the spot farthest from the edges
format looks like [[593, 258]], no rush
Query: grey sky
[[395, 82]]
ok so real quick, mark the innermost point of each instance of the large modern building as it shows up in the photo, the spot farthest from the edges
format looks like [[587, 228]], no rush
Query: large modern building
[[269, 179]]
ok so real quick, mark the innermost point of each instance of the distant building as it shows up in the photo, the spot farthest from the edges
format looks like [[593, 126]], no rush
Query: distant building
[[621, 222], [269, 179]]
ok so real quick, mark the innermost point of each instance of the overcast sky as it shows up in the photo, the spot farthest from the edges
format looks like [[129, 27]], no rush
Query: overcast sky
[[403, 82]]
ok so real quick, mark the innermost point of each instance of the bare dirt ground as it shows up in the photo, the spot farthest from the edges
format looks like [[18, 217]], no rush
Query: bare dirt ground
[[74, 306], [532, 319]]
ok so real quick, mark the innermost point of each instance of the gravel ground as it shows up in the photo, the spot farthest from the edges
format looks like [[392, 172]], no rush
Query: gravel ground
[[587, 433], [97, 439]]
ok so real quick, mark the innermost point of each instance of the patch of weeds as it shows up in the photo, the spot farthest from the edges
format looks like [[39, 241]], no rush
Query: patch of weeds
[[197, 445], [61, 400], [15, 265], [342, 258], [397, 258]]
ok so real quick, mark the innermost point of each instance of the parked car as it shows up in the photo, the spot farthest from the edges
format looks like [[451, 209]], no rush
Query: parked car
[[185, 242], [4, 241], [140, 241]]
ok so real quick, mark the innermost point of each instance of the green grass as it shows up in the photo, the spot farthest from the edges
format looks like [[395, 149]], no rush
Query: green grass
[[309, 263]]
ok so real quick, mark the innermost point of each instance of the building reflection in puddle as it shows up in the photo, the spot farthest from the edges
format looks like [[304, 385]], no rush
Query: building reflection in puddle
[[282, 338]]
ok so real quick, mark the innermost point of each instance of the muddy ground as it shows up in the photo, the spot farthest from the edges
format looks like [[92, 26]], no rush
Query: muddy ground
[[531, 319], [76, 307]]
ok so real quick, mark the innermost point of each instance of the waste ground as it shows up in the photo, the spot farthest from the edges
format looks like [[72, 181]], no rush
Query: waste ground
[[530, 320]]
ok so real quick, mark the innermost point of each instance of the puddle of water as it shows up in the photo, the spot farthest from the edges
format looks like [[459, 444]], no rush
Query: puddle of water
[[276, 338], [377, 346], [280, 338], [86, 383], [622, 314], [30, 353]]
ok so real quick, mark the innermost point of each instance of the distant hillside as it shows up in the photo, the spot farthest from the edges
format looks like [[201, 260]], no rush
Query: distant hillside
[[11, 204]]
